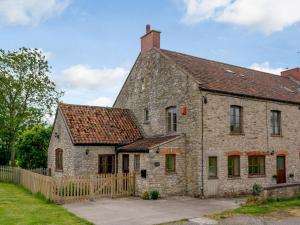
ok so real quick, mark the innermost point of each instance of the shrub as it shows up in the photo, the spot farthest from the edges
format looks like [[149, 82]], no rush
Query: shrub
[[257, 189], [146, 195], [252, 200], [154, 194]]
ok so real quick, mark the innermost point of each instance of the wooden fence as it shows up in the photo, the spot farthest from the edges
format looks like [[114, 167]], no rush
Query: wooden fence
[[71, 188]]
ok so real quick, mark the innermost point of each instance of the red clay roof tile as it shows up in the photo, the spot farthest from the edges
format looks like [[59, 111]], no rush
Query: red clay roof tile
[[92, 125]]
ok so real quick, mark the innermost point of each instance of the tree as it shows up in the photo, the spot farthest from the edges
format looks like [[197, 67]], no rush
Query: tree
[[26, 93], [31, 147]]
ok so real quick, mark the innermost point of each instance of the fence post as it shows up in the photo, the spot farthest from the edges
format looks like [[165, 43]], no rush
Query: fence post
[[91, 187]]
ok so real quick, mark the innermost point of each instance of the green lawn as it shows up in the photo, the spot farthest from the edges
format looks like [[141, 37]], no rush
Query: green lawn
[[269, 206], [17, 206]]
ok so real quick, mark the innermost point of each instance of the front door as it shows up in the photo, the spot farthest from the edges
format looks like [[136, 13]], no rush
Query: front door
[[106, 164], [281, 176], [125, 163]]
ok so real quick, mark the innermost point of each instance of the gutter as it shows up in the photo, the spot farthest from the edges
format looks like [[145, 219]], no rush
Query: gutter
[[202, 142]]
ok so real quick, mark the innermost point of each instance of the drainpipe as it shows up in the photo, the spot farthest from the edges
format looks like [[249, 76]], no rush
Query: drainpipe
[[203, 101]]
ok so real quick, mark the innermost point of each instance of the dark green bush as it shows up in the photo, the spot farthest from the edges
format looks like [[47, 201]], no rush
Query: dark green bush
[[154, 195], [257, 189]]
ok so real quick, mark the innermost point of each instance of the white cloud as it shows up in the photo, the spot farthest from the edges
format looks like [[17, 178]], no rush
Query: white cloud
[[264, 15], [84, 77], [102, 101], [30, 12], [265, 67]]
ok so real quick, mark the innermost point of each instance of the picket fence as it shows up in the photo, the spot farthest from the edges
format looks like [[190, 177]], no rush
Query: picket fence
[[71, 188]]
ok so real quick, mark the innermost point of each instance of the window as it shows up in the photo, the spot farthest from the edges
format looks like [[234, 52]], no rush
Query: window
[[256, 165], [106, 164], [146, 115], [212, 167], [233, 166], [276, 122], [236, 119], [170, 163], [58, 159], [136, 163], [171, 119]]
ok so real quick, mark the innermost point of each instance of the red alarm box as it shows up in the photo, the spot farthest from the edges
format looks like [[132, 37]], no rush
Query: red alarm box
[[183, 110]]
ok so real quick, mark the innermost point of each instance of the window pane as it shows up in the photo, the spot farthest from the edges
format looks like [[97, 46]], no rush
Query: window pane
[[174, 121], [170, 163], [231, 118], [236, 166], [137, 163], [212, 167]]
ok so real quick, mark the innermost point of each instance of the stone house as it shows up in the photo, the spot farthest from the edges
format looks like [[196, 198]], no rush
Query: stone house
[[188, 126]]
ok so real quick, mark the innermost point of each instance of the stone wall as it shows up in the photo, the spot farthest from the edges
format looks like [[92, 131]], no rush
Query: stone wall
[[75, 159], [156, 83], [282, 191], [256, 137], [60, 138], [157, 177]]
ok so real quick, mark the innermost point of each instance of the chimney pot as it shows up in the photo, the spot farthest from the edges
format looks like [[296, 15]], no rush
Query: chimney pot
[[148, 28], [294, 73], [150, 40]]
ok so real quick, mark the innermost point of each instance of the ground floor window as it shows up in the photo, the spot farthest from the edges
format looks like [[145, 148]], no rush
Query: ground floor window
[[106, 164], [136, 163], [170, 163], [256, 165], [212, 167], [125, 163], [233, 166], [58, 159]]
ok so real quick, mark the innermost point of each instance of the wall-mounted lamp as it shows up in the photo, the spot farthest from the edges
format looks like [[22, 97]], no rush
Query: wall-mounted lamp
[[205, 99], [87, 152], [157, 150]]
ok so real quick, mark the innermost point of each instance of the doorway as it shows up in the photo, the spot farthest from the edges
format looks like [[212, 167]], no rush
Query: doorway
[[125, 163], [281, 176]]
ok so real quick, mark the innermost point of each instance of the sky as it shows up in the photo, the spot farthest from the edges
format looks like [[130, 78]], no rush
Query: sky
[[91, 45]]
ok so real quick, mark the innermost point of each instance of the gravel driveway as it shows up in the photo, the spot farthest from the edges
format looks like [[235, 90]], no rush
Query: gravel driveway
[[134, 211]]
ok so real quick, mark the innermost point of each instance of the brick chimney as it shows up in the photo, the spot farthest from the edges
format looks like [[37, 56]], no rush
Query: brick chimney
[[294, 73], [150, 40]]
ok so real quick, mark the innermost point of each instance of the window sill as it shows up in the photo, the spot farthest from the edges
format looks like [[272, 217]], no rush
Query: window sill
[[146, 122], [59, 171], [213, 178], [256, 176], [240, 134], [276, 135], [170, 173], [234, 178]]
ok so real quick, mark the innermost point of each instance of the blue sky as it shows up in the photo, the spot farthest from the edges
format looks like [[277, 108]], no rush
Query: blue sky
[[91, 45]]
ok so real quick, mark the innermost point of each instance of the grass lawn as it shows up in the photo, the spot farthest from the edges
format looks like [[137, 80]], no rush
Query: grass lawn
[[18, 206], [269, 206]]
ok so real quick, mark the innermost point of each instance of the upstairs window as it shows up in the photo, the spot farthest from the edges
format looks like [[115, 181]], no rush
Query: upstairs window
[[58, 159], [235, 119], [146, 115], [171, 119], [275, 122]]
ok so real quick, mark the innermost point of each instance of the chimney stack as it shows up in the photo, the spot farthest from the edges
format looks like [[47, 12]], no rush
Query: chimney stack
[[150, 40], [293, 73]]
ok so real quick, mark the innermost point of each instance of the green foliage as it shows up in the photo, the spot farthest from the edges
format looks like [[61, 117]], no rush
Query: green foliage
[[26, 93], [32, 147], [154, 194], [146, 195], [257, 189], [18, 206]]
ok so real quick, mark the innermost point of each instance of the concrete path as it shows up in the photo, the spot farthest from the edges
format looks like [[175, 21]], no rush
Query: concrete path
[[135, 211]]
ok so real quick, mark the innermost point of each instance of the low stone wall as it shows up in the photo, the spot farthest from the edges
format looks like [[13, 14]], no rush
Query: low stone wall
[[281, 191]]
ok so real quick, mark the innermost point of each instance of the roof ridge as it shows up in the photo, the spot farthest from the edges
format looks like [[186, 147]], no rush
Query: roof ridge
[[224, 63], [92, 106]]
